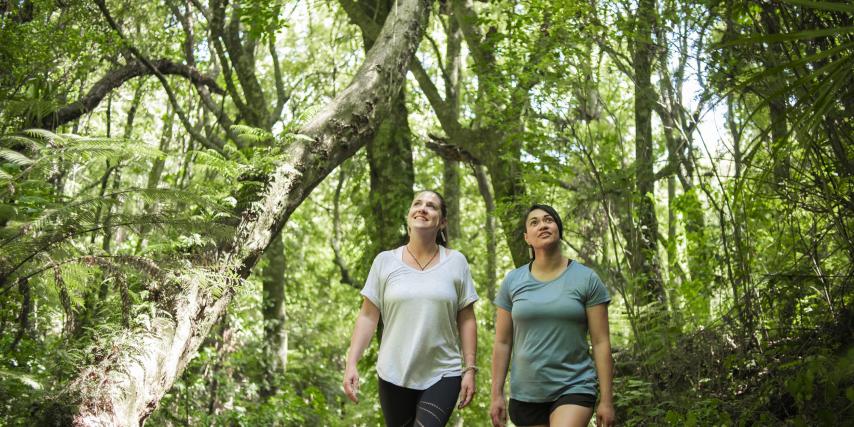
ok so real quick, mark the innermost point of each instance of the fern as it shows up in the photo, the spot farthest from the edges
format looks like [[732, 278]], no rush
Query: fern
[[252, 136], [49, 148], [27, 380], [15, 157], [215, 161]]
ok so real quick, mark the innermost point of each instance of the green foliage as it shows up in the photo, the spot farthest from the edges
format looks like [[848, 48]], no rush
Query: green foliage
[[756, 325], [263, 18], [77, 295]]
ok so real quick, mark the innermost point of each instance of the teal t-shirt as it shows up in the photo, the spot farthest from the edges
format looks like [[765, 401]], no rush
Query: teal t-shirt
[[550, 349]]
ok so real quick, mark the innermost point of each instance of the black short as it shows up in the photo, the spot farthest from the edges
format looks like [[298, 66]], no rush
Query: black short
[[537, 413]]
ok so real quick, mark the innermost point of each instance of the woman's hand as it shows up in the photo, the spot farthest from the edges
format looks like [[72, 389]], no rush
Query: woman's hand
[[351, 383], [467, 389], [498, 411], [366, 325], [605, 414]]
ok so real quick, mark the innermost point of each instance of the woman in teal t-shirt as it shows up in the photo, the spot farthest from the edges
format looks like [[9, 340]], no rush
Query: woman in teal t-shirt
[[544, 311]]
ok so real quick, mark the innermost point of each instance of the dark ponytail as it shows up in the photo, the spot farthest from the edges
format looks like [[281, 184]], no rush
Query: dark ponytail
[[441, 237]]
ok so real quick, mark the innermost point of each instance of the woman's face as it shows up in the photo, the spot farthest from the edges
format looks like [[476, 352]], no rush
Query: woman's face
[[541, 229], [425, 212]]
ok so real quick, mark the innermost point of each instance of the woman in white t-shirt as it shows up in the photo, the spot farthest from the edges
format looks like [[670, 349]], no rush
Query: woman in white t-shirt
[[424, 294]]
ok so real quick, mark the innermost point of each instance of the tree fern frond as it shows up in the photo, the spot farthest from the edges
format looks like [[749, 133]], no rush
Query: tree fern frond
[[25, 379], [164, 195], [49, 137], [217, 162], [89, 149], [252, 136], [15, 157], [15, 139], [82, 212], [75, 213], [822, 5], [777, 38]]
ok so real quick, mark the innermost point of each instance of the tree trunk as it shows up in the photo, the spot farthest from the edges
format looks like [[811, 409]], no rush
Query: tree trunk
[[127, 382], [451, 191], [776, 106], [645, 257], [275, 316], [392, 177], [509, 189], [489, 226], [390, 160], [451, 168]]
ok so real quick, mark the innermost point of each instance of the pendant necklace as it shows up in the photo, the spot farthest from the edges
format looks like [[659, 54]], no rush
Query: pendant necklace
[[422, 267]]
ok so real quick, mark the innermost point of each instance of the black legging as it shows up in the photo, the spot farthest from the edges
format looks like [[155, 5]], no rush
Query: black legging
[[404, 407]]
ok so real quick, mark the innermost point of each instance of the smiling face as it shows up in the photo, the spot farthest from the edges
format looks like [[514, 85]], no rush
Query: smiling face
[[541, 229], [425, 212]]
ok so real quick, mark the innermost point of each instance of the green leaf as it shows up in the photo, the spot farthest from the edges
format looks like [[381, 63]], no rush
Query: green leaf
[[23, 378], [837, 7], [777, 38], [15, 157]]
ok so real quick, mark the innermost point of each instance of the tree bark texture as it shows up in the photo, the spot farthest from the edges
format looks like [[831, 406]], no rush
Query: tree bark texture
[[391, 178], [275, 316], [389, 158], [116, 78], [451, 192], [129, 379], [451, 168], [489, 228], [644, 257]]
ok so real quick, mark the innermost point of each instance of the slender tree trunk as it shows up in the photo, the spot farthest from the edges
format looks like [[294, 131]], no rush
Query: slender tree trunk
[[742, 277], [451, 191], [645, 255], [489, 227], [776, 106], [509, 189], [391, 178], [451, 168], [223, 346], [126, 384], [275, 316]]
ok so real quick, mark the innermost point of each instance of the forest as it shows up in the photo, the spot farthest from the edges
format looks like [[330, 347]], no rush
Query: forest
[[192, 192]]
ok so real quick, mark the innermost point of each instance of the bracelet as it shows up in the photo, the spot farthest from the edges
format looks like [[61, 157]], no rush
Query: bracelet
[[470, 368]]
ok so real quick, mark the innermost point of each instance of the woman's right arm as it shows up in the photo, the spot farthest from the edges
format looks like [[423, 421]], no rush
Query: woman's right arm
[[500, 361], [366, 326]]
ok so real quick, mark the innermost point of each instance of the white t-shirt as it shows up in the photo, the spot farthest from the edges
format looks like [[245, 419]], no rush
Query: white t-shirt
[[420, 342]]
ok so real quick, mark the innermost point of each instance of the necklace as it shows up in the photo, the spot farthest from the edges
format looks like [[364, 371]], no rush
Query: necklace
[[422, 267]]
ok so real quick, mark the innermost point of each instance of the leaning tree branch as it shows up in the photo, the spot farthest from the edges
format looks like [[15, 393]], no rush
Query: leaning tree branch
[[125, 387], [148, 64], [116, 78], [449, 151]]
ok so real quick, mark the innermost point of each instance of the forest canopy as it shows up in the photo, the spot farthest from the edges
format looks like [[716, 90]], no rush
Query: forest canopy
[[192, 192]]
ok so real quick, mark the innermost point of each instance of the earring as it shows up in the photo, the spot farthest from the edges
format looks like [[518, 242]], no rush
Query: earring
[[444, 236], [531, 252]]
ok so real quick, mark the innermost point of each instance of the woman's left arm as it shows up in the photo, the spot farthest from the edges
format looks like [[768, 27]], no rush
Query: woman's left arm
[[468, 340], [597, 320]]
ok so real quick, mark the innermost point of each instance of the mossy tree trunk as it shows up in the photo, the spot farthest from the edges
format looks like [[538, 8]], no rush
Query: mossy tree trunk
[[128, 380]]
